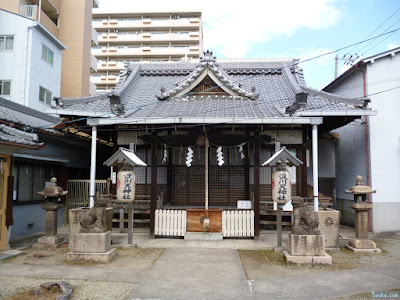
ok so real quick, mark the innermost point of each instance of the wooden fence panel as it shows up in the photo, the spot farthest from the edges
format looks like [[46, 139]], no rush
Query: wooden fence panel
[[238, 223]]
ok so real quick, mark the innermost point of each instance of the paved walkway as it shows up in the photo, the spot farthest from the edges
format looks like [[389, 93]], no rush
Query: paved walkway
[[212, 270], [182, 273]]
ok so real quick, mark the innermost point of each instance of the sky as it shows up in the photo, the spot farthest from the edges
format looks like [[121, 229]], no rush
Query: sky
[[287, 28]]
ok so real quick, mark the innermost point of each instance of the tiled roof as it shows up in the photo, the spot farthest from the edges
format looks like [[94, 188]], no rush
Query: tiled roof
[[25, 116], [16, 136], [280, 85]]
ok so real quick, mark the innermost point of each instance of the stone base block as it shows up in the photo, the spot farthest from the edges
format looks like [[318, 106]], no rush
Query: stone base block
[[362, 244], [329, 221], [92, 242], [306, 245], [203, 236], [325, 259], [100, 257], [363, 250], [52, 241]]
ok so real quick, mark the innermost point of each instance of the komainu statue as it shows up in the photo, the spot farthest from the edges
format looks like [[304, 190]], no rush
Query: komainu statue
[[93, 220], [305, 219]]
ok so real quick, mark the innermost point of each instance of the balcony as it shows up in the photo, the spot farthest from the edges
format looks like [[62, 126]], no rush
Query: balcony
[[149, 37], [92, 89], [95, 37], [28, 11], [113, 66], [105, 79], [48, 16], [117, 53], [49, 24], [138, 24], [93, 63]]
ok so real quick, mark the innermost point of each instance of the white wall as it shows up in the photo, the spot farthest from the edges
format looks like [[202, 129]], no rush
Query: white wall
[[24, 65], [383, 75]]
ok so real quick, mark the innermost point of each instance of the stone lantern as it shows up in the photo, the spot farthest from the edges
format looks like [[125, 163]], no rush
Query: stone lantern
[[361, 206], [281, 184], [52, 193]]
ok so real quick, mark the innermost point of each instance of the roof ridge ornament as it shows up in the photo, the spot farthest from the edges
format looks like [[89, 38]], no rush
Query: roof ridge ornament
[[208, 67], [208, 57]]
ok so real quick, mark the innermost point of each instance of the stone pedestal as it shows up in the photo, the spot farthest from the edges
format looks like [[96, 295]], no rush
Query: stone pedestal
[[92, 247], [74, 215], [51, 218], [307, 249], [361, 243], [51, 239], [361, 221], [329, 221], [363, 246]]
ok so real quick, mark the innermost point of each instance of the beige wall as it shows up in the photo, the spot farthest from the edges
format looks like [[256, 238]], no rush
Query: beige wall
[[75, 33], [9, 5]]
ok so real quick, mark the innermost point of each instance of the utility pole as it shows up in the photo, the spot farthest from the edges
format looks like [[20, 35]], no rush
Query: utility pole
[[350, 60]]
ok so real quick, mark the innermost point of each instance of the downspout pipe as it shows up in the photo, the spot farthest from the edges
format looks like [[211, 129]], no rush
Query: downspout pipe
[[92, 188], [315, 165]]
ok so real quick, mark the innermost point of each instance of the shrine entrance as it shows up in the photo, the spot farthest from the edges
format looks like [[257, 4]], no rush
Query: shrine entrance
[[227, 183]]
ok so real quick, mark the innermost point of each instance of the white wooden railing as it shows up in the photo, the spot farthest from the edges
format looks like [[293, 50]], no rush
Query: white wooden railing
[[170, 222], [238, 223]]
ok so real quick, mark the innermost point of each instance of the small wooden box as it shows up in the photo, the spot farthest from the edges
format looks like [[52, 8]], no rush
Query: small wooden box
[[194, 216]]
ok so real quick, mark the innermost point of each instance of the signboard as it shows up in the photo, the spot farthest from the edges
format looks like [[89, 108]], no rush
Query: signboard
[[244, 204]]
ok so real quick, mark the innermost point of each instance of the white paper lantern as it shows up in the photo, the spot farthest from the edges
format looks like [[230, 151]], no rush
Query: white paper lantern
[[126, 184], [281, 186]]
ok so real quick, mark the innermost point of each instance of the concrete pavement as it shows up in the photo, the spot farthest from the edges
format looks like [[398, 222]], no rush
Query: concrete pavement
[[188, 273]]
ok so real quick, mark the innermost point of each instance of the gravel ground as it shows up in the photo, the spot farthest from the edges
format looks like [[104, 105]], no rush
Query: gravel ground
[[259, 264], [133, 258], [83, 289]]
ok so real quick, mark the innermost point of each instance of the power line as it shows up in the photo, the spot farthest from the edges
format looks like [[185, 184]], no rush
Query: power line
[[376, 29], [365, 46], [366, 51], [237, 81]]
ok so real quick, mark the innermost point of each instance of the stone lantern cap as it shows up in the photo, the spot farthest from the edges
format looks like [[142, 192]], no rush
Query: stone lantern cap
[[283, 156], [360, 188], [53, 190], [124, 157]]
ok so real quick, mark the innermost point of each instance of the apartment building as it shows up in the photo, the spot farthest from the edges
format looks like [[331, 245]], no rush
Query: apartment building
[[143, 37], [30, 62], [69, 21]]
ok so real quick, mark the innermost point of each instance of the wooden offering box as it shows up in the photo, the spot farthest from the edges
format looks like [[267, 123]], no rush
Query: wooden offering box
[[194, 216]]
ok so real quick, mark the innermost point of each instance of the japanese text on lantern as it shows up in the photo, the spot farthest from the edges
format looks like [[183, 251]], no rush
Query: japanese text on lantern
[[282, 189], [128, 177]]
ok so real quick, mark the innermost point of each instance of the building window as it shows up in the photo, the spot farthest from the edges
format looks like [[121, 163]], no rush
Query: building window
[[47, 55], [45, 95], [30, 178], [5, 87], [6, 42]]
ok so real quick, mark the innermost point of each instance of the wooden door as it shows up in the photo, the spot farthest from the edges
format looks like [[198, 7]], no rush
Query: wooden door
[[4, 173]]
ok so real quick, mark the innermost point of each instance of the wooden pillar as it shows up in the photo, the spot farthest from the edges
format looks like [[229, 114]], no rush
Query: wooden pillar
[[146, 171], [229, 176], [153, 202], [304, 186], [247, 171], [257, 187], [169, 176]]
